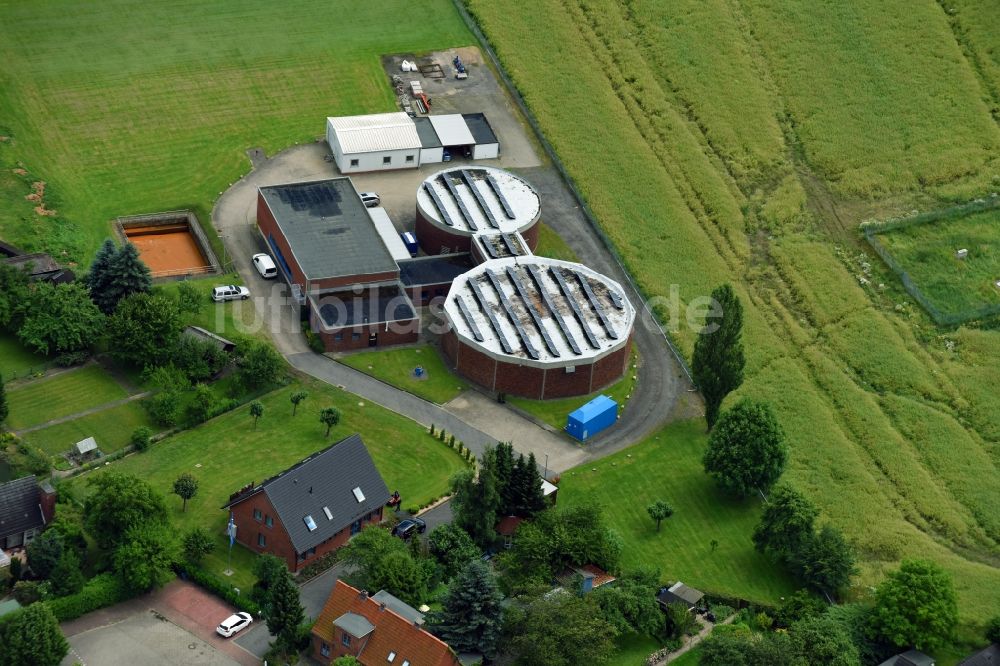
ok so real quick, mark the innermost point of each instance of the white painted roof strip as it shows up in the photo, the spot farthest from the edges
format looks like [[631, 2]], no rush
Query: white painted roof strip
[[509, 314], [375, 133], [452, 130], [387, 231], [480, 210]]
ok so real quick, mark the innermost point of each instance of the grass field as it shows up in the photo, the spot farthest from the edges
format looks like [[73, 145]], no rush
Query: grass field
[[633, 650], [697, 185], [667, 466], [395, 367], [554, 412], [112, 428], [137, 107], [227, 453], [552, 245], [67, 393], [927, 253], [16, 361], [226, 319]]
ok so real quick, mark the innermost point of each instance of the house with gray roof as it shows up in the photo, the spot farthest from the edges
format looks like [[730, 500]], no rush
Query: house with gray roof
[[313, 507], [25, 508]]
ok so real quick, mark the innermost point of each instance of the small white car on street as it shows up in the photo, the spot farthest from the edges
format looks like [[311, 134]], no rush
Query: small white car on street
[[234, 624], [230, 293], [265, 266]]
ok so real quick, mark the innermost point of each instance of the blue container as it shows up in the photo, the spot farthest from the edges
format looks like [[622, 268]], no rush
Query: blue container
[[592, 418], [410, 241]]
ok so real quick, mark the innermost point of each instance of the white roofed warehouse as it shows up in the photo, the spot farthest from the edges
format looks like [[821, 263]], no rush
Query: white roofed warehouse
[[538, 328], [376, 142], [455, 205]]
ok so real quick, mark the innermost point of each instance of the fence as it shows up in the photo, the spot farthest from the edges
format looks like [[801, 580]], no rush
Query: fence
[[872, 229], [570, 183]]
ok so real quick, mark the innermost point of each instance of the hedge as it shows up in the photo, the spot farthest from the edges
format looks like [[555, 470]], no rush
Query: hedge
[[100, 591], [218, 587]]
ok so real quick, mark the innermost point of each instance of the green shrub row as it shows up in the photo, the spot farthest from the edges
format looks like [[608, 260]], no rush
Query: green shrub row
[[319, 565], [100, 591], [218, 587]]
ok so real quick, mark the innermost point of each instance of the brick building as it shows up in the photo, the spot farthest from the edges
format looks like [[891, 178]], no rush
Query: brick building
[[379, 630], [312, 508], [26, 507]]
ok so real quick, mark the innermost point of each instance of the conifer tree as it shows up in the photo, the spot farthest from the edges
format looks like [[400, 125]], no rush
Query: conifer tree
[[718, 359], [471, 616], [285, 612]]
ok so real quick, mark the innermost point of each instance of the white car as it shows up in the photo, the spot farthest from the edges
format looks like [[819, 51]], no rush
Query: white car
[[265, 266], [233, 624], [370, 199], [230, 293]]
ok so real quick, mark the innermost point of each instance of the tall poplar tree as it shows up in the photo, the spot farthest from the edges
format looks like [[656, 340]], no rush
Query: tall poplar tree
[[718, 359]]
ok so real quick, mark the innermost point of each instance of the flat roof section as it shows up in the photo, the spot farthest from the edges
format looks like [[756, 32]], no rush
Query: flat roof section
[[500, 246], [374, 305], [375, 132], [428, 137], [539, 311], [452, 130], [480, 129], [438, 269], [387, 231], [470, 200], [328, 229]]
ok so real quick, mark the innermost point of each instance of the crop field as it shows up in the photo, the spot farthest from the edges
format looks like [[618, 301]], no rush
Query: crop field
[[927, 253], [132, 107], [751, 157], [228, 452]]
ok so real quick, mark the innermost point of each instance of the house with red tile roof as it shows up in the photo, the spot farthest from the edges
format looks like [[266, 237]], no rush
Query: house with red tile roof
[[378, 630]]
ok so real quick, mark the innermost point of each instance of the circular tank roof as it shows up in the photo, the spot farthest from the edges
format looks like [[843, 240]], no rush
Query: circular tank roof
[[539, 312], [471, 200]]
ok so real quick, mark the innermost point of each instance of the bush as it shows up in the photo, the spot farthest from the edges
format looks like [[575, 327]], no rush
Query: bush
[[69, 359], [163, 407], [319, 565], [140, 438], [100, 591], [26, 592], [218, 587], [722, 611], [312, 339]]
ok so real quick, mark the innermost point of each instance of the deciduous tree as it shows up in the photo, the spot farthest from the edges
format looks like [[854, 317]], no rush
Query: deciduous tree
[[786, 525], [329, 416], [630, 605], [256, 411], [59, 318], [452, 547], [197, 544], [659, 511], [822, 640], [145, 558], [471, 616], [118, 503], [33, 636], [475, 502], [558, 630], [144, 329], [258, 364], [296, 398], [13, 293], [916, 606], [4, 407], [185, 487], [189, 299], [718, 360], [746, 450], [827, 561]]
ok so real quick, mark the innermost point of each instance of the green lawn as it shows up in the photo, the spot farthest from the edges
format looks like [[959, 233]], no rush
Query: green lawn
[[226, 319], [668, 466], [227, 453], [554, 412], [927, 253], [633, 650], [552, 245], [16, 361], [395, 367], [134, 107], [112, 428], [67, 393]]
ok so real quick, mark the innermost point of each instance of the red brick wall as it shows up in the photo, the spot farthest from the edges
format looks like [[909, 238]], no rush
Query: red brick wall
[[611, 368], [268, 227], [352, 280], [435, 240], [562, 384], [400, 333], [531, 236], [48, 502], [523, 380], [475, 365], [277, 542]]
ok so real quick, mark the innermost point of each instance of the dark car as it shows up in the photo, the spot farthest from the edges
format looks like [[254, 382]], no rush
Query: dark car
[[408, 527]]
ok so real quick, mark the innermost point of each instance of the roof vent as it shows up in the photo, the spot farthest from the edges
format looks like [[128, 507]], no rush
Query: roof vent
[[326, 510], [358, 495], [310, 523]]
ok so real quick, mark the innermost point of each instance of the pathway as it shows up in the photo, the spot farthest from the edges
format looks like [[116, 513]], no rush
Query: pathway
[[457, 417], [693, 641]]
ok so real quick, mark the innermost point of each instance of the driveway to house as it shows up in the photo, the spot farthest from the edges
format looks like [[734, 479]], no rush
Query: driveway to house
[[173, 625]]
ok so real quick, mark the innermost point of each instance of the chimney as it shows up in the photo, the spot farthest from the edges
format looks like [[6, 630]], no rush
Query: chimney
[[47, 501], [381, 606], [363, 594]]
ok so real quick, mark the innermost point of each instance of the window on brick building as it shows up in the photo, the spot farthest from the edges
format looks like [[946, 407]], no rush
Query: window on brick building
[[261, 540], [345, 639], [257, 515], [269, 521], [324, 650]]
